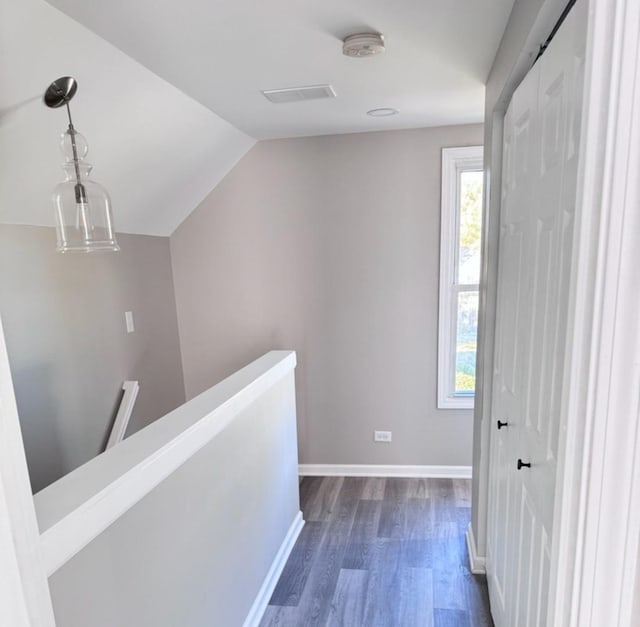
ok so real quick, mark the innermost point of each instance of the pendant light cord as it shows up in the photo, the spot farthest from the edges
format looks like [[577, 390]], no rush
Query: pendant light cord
[[80, 191]]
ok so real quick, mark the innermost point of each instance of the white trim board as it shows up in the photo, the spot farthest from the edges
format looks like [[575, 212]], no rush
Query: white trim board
[[477, 564], [595, 563], [268, 585], [24, 593], [365, 470]]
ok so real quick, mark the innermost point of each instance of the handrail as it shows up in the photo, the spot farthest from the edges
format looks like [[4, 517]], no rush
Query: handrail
[[77, 508]]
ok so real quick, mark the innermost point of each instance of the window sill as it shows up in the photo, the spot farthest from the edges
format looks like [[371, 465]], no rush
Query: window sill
[[456, 402]]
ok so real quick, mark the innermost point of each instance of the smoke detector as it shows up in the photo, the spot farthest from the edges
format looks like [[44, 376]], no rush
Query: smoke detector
[[363, 45]]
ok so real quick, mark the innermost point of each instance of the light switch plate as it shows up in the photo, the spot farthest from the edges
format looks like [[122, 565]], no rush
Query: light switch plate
[[128, 317]]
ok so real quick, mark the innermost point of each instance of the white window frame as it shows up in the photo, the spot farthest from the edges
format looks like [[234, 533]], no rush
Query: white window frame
[[454, 162]]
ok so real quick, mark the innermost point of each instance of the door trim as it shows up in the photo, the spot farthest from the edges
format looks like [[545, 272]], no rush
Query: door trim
[[477, 563], [598, 501], [24, 589]]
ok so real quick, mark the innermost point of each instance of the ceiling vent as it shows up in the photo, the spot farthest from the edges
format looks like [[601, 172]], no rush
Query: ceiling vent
[[363, 45], [297, 94]]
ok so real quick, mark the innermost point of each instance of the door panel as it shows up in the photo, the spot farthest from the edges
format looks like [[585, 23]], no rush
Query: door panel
[[526, 557], [510, 362], [541, 140]]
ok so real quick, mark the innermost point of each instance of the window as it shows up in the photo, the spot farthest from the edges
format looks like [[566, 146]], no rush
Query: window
[[460, 232]]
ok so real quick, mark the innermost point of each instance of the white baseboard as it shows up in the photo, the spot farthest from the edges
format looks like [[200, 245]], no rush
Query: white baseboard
[[268, 585], [477, 563], [363, 470]]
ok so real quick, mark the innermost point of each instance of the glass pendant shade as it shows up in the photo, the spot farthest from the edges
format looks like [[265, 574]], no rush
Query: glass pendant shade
[[84, 221]]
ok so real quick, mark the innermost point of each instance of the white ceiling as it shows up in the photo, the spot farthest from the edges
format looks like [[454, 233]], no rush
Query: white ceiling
[[157, 151], [223, 52]]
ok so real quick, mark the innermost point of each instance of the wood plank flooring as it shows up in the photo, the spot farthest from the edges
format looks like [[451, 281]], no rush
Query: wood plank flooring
[[381, 553]]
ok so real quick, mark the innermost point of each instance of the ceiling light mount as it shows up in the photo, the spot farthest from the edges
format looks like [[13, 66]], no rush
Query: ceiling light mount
[[363, 45], [60, 92]]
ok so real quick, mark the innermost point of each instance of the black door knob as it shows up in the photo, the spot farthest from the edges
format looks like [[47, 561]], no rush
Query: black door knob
[[502, 424], [522, 464]]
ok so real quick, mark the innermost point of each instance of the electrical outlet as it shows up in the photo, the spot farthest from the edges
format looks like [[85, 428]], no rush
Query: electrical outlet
[[382, 436]]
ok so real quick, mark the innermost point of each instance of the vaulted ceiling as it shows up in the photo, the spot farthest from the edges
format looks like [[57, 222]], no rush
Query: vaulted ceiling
[[157, 151], [169, 92]]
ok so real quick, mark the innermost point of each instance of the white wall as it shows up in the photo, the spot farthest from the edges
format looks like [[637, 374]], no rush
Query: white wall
[[329, 246]]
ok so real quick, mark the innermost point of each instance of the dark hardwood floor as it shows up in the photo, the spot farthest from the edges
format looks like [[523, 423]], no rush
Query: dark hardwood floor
[[381, 552]]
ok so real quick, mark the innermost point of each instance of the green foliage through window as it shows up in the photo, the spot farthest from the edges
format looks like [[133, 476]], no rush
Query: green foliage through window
[[470, 217], [469, 238]]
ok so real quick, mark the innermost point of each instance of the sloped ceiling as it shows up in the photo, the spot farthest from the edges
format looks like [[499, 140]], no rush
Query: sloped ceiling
[[224, 52], [156, 150]]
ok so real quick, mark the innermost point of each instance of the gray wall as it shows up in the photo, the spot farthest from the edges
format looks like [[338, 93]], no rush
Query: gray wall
[[195, 551], [63, 318], [329, 246]]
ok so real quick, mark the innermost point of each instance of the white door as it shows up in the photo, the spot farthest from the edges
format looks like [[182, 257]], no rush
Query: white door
[[510, 351], [541, 140]]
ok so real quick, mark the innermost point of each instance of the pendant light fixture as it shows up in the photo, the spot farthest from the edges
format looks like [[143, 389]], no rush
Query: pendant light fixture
[[83, 209]]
